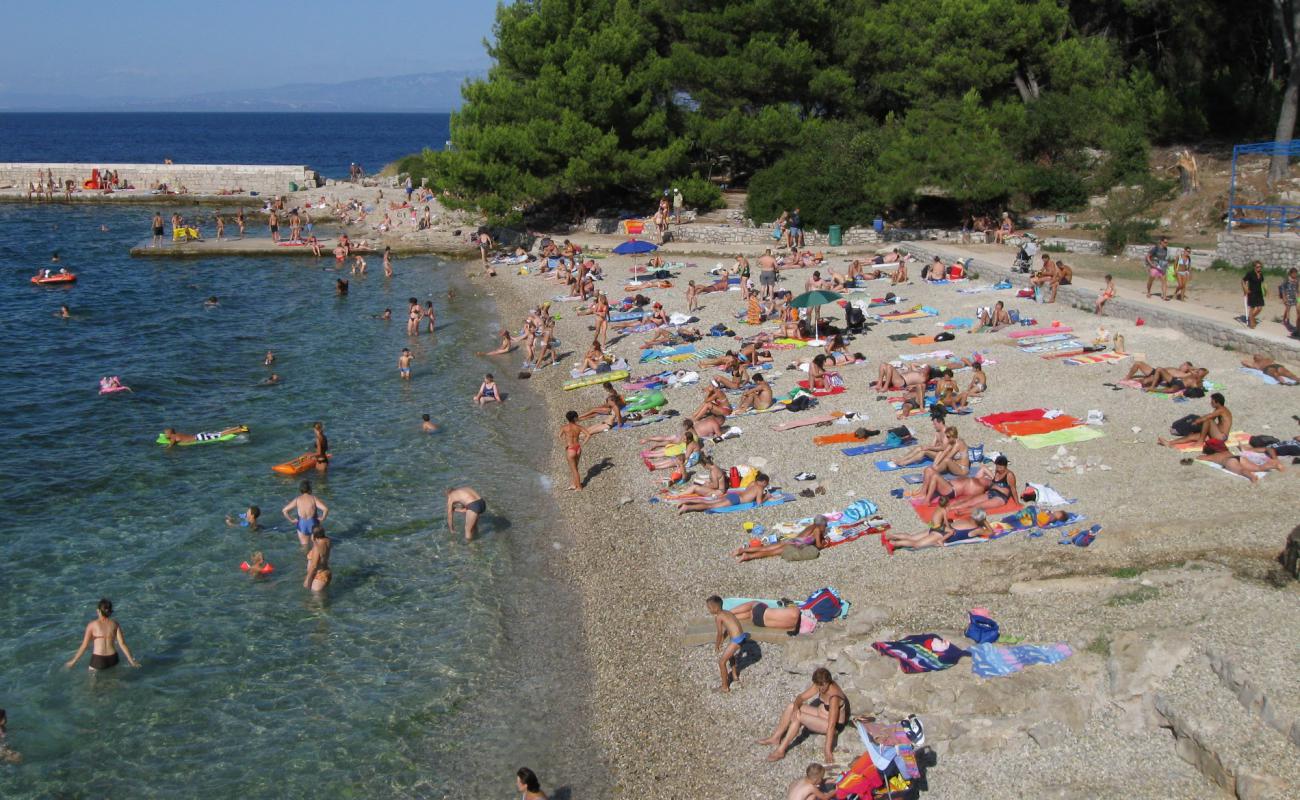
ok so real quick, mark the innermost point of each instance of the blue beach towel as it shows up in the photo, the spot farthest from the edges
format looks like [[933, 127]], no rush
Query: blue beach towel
[[890, 466], [878, 447], [775, 500], [1001, 660]]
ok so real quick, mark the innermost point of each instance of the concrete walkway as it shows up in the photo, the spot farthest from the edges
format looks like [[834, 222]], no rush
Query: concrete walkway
[[1200, 322]]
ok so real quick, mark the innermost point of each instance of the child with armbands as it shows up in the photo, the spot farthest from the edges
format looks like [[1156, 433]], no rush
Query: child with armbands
[[256, 565]]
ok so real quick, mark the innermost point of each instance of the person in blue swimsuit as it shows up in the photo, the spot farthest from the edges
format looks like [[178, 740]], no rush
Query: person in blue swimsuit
[[728, 627], [487, 391], [310, 511]]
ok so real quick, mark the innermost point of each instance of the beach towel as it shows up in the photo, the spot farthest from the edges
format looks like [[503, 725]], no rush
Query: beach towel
[[926, 512], [803, 422], [1073, 345], [1000, 660], [1030, 427], [1266, 378], [1046, 496], [1095, 358], [933, 354], [903, 316], [921, 340], [890, 466], [888, 743], [959, 322], [879, 447], [994, 420], [926, 652], [1235, 439], [836, 438], [1029, 341], [1014, 522], [1027, 332], [1229, 473], [776, 499], [1080, 433]]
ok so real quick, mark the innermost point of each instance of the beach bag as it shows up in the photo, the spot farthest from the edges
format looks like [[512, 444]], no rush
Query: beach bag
[[860, 781], [1263, 441], [975, 454], [1184, 426], [824, 604], [982, 629]]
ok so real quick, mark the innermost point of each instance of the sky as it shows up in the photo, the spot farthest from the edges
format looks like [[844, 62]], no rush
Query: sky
[[153, 49]]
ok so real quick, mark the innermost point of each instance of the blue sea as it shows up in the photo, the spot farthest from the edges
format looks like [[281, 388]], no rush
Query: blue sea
[[431, 668], [327, 143]]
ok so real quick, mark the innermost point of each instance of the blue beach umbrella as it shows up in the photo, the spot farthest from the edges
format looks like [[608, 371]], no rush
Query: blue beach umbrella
[[634, 248]]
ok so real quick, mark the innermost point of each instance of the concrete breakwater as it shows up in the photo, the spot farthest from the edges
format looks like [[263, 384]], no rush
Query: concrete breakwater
[[194, 179]]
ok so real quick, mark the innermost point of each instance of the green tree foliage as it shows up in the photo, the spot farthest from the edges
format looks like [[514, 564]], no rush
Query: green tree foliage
[[848, 108], [826, 176]]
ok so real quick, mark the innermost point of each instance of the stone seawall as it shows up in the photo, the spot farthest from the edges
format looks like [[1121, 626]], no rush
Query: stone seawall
[[1279, 250], [1165, 316], [698, 233], [198, 179]]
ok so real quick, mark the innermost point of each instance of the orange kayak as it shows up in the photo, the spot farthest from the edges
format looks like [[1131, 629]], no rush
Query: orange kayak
[[298, 465], [55, 279]]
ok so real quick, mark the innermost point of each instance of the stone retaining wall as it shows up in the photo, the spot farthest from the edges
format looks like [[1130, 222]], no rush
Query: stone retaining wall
[[1194, 326], [731, 234], [1278, 250], [202, 179]]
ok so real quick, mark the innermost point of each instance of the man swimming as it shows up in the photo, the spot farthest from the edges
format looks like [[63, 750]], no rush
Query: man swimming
[[464, 500], [311, 512], [174, 438]]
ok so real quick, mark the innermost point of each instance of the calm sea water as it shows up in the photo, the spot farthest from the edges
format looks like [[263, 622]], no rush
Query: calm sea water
[[327, 143], [430, 667]]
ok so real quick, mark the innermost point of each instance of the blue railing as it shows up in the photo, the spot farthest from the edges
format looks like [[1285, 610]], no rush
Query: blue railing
[[1283, 218]]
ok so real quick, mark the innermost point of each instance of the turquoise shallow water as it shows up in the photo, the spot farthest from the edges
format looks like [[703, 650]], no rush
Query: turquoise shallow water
[[403, 681]]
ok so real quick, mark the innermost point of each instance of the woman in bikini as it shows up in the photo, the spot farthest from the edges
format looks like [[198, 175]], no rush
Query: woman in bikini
[[949, 533], [734, 378], [612, 407], [827, 716], [600, 310], [104, 637], [936, 487], [715, 402], [814, 534], [999, 489], [318, 561], [595, 357], [413, 317]]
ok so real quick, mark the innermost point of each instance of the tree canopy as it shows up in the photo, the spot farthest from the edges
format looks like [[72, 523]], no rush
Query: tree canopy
[[851, 108]]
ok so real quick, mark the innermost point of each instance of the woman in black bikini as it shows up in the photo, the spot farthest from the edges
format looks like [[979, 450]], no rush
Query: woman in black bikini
[[106, 635], [1001, 489]]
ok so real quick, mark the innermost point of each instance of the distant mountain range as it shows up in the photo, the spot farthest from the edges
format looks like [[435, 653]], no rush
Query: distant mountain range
[[425, 92]]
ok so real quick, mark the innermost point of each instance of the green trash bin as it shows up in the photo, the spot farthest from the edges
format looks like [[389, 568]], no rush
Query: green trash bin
[[293, 187], [835, 236]]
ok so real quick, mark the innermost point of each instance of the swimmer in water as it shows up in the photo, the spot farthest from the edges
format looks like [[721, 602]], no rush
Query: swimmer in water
[[341, 286], [256, 565], [174, 438], [211, 302], [404, 364], [63, 313], [104, 638], [322, 447], [318, 561], [427, 425], [388, 262], [7, 755], [465, 500], [387, 316], [311, 513], [271, 381], [507, 344], [270, 358], [248, 519]]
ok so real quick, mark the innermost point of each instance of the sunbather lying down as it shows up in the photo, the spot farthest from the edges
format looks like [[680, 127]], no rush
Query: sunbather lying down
[[1271, 368], [1248, 463], [814, 535], [942, 531]]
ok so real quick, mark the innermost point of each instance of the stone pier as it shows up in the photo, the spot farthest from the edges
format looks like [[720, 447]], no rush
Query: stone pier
[[197, 179]]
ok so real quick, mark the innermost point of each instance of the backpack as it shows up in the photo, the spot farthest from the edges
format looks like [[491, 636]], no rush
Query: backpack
[[825, 604], [801, 402], [1184, 426]]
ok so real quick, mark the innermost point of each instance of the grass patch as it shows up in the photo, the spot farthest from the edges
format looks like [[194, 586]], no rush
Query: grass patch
[[1099, 646], [1055, 248], [1127, 572], [1223, 265], [1136, 597]]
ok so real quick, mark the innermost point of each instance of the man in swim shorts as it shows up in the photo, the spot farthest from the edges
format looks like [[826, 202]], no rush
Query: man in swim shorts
[[310, 512], [465, 500], [1211, 429], [404, 364], [727, 627]]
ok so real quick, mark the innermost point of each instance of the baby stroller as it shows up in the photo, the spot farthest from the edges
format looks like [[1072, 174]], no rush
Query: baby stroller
[[854, 319], [1025, 255]]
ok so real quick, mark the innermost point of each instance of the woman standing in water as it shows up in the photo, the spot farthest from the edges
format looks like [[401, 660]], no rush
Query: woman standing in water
[[106, 635]]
